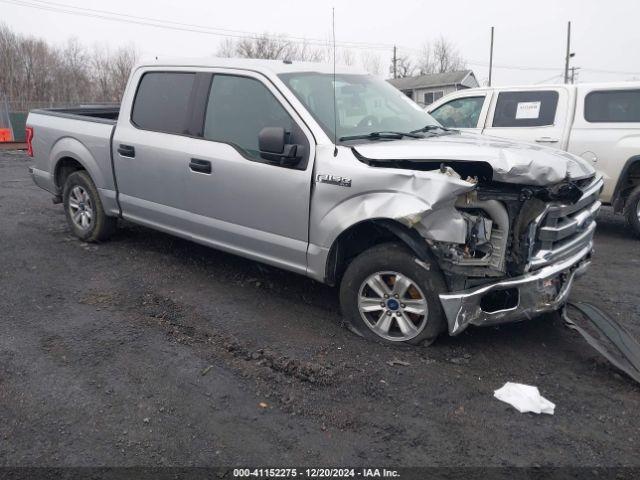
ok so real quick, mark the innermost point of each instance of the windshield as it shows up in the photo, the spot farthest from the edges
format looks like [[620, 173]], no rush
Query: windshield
[[365, 104]]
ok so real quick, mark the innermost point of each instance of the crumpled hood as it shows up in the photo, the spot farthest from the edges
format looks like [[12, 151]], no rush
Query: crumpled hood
[[512, 162]]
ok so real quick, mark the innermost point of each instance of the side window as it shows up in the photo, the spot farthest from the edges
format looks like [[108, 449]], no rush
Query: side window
[[162, 102], [238, 108], [526, 109], [459, 113], [612, 106]]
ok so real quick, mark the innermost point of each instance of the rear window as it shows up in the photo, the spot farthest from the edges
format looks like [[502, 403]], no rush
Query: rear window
[[162, 102], [526, 109], [612, 106]]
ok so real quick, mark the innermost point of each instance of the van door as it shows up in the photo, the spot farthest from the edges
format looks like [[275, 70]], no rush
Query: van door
[[464, 112], [530, 115]]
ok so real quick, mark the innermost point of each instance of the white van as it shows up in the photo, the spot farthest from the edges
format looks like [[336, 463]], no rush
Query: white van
[[599, 122]]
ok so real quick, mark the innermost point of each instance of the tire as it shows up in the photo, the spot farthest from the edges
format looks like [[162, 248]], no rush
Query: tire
[[83, 209], [391, 263], [632, 211]]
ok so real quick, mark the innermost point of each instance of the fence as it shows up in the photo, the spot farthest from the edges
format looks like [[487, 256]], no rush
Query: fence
[[13, 114]]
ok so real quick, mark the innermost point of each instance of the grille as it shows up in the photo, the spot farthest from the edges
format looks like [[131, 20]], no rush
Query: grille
[[563, 230]]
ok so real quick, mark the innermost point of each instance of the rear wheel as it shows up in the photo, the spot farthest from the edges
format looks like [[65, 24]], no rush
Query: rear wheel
[[83, 209], [632, 211], [388, 295]]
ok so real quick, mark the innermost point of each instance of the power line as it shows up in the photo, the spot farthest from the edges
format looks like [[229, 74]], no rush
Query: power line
[[187, 27], [241, 34]]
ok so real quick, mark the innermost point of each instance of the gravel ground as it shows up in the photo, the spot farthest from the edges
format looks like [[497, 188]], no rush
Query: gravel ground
[[151, 350]]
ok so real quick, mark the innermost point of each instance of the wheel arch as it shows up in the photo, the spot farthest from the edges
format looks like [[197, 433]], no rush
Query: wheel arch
[[69, 155], [629, 179], [366, 234]]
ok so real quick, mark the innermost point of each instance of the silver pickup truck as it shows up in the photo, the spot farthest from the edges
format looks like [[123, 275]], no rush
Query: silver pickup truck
[[333, 175]]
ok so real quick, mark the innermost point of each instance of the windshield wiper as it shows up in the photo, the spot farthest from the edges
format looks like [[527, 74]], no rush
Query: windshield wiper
[[381, 135], [429, 128]]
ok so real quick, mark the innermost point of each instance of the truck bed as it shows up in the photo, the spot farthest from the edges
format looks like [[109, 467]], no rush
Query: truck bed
[[101, 114], [64, 137]]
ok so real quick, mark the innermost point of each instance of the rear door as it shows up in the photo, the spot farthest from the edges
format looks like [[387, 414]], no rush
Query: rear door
[[606, 130], [530, 115], [466, 111], [151, 149]]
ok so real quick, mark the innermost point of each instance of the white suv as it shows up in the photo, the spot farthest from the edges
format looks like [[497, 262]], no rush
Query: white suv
[[599, 122]]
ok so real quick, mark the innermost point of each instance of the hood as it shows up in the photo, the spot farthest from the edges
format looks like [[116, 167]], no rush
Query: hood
[[512, 162]]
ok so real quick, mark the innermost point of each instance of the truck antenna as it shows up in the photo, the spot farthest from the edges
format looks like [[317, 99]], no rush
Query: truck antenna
[[335, 106]]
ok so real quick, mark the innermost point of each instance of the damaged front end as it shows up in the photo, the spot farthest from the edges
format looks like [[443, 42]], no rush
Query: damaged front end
[[509, 252]]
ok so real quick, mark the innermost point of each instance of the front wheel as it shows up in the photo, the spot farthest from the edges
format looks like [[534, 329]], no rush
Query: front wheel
[[388, 295], [83, 209]]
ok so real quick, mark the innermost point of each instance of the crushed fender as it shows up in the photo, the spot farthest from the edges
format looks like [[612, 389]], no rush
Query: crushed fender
[[607, 336]]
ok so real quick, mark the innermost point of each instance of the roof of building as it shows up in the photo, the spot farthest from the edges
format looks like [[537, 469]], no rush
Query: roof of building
[[430, 80]]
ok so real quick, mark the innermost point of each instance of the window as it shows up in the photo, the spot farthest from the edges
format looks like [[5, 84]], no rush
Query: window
[[238, 108], [162, 102], [460, 113], [431, 97], [612, 106], [526, 109], [365, 104]]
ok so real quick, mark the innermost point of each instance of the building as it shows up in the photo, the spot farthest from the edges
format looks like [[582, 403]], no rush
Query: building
[[426, 89]]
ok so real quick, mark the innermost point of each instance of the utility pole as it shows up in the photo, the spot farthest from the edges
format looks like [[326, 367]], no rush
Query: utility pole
[[573, 74], [491, 57], [395, 61], [569, 55]]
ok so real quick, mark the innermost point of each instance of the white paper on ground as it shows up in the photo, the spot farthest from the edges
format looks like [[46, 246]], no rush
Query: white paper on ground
[[524, 398]]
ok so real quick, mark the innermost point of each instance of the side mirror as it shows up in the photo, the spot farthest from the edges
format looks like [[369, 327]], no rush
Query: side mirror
[[272, 142]]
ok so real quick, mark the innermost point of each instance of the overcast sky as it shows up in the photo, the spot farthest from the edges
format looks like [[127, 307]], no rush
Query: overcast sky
[[530, 35]]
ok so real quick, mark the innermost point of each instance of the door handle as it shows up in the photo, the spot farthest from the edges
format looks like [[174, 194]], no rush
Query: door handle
[[127, 151], [200, 166], [547, 140]]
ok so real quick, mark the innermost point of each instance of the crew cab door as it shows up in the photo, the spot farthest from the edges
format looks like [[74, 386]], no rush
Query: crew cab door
[[530, 115], [254, 206], [463, 111]]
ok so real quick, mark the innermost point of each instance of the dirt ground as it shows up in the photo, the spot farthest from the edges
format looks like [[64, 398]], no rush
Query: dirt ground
[[151, 350]]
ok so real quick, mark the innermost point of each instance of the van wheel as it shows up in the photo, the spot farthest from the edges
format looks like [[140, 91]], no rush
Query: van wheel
[[83, 209], [389, 296], [632, 211]]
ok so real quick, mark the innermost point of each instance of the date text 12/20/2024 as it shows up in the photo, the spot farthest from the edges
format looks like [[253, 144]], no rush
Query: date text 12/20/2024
[[315, 473]]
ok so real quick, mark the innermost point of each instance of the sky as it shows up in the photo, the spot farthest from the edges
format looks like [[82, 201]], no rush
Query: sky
[[529, 47]]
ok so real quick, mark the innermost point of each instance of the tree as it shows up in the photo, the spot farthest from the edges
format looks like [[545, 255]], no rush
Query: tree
[[446, 57], [404, 67], [370, 62], [440, 57], [270, 47]]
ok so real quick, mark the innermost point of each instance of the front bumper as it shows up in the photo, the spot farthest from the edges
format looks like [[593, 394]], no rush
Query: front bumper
[[543, 290]]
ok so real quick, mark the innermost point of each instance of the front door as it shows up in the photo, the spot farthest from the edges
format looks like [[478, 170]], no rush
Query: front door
[[249, 205]]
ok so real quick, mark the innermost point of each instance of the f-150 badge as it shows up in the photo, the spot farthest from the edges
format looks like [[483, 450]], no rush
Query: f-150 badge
[[333, 180]]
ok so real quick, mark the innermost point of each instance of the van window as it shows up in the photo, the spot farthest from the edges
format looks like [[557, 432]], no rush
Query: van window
[[612, 106], [526, 109], [460, 113], [162, 102], [238, 108]]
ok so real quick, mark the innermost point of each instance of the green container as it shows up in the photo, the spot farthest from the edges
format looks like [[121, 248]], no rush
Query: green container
[[18, 123]]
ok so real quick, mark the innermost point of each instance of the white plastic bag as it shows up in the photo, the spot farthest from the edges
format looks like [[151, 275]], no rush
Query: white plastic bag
[[524, 398]]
